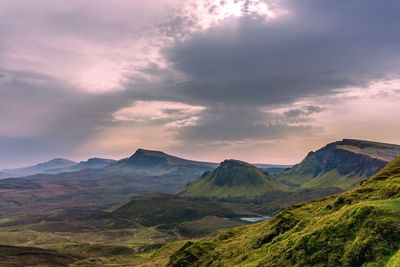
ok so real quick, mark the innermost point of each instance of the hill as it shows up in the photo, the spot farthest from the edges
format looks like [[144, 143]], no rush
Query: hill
[[341, 164], [45, 167], [355, 228], [233, 178]]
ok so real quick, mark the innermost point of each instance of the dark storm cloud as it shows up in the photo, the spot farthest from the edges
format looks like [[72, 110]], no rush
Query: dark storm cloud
[[318, 47]]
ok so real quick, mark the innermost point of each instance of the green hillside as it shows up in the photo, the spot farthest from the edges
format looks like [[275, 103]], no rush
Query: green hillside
[[233, 178], [359, 227]]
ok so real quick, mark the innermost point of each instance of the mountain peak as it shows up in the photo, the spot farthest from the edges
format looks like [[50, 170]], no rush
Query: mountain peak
[[55, 163], [144, 158], [236, 172], [234, 162], [58, 160], [232, 178], [150, 153]]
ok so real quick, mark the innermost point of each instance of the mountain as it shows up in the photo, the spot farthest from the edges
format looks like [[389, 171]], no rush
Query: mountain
[[56, 166], [359, 227], [92, 163], [45, 167], [341, 164], [157, 163], [145, 171], [233, 178]]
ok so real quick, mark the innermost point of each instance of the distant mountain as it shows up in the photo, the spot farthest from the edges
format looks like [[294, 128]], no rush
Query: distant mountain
[[233, 178], [45, 167], [157, 163], [341, 164], [56, 166], [273, 169], [270, 166], [359, 227], [92, 163]]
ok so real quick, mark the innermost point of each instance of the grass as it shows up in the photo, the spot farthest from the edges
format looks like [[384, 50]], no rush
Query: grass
[[332, 179], [206, 225], [117, 247]]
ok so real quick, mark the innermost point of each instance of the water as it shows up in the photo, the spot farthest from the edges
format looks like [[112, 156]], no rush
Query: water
[[251, 219], [255, 219]]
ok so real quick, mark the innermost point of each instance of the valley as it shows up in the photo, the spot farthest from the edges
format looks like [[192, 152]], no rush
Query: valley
[[141, 210]]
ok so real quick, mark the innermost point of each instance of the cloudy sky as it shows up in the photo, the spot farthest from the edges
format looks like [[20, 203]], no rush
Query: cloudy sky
[[261, 81]]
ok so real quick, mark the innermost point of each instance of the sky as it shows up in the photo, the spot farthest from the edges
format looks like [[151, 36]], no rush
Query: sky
[[260, 81]]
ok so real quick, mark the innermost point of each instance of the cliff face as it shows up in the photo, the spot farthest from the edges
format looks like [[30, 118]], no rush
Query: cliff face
[[346, 162], [341, 164]]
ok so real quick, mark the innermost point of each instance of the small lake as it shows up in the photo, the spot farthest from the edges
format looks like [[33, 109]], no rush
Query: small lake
[[251, 219], [255, 219]]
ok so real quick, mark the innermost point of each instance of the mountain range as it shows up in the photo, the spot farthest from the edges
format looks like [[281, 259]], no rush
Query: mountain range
[[107, 212], [54, 166], [335, 167]]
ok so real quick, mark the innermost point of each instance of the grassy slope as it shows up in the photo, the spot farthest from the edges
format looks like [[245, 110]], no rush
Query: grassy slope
[[241, 180], [332, 179], [359, 227], [204, 188]]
